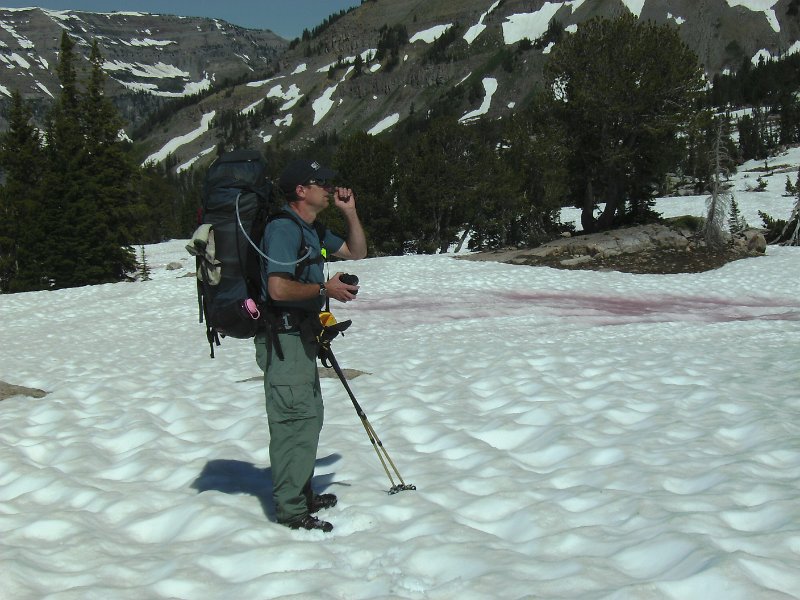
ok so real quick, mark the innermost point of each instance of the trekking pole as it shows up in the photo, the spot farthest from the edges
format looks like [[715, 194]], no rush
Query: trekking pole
[[373, 437]]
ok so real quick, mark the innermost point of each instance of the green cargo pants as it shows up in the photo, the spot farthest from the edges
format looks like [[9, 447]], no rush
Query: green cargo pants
[[295, 414]]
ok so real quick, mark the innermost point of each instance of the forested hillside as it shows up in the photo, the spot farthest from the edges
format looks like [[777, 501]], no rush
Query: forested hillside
[[624, 112]]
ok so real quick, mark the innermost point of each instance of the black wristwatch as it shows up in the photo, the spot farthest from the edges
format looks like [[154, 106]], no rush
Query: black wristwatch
[[323, 291]]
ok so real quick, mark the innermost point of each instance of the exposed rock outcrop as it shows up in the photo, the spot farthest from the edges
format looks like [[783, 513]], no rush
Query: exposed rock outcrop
[[9, 390], [652, 248]]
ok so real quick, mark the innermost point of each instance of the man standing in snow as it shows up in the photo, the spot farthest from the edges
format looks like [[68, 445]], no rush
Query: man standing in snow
[[297, 292]]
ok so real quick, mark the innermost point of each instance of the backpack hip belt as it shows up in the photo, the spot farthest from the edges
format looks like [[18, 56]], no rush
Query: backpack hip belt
[[286, 321], [292, 321]]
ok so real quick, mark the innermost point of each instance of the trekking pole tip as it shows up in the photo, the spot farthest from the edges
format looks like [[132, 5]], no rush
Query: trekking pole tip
[[401, 488]]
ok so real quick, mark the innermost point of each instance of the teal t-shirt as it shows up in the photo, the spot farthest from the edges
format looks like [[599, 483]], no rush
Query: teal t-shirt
[[288, 239]]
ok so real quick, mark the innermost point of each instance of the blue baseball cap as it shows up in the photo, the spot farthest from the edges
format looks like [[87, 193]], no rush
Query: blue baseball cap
[[300, 172]]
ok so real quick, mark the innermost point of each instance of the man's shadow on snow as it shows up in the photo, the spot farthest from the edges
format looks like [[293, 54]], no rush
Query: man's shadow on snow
[[239, 477]]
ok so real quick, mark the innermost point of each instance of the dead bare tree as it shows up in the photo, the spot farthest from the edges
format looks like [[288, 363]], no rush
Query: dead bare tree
[[794, 220], [718, 204]]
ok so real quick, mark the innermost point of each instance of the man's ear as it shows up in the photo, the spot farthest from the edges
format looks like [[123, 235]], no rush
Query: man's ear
[[299, 191]]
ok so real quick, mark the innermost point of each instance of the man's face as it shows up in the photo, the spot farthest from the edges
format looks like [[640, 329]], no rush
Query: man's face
[[317, 193]]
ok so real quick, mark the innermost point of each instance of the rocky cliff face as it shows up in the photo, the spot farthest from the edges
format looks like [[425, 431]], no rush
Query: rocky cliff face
[[315, 84], [160, 56]]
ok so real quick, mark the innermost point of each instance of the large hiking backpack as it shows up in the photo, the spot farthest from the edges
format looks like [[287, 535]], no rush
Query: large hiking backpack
[[236, 204]]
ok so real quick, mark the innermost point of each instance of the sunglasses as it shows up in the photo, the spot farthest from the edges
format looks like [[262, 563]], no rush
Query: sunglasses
[[323, 183]]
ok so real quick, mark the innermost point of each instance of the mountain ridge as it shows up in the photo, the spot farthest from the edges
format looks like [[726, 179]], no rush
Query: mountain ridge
[[157, 55], [489, 67]]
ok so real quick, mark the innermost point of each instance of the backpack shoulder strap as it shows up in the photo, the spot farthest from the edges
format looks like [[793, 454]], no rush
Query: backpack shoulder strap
[[319, 229]]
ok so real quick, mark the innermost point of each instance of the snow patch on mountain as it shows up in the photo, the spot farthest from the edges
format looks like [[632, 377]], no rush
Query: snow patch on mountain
[[148, 42], [366, 56], [292, 95], [185, 166], [13, 59], [323, 104], [175, 143], [285, 121], [490, 85], [23, 42], [529, 25], [126, 13], [384, 124], [766, 55], [193, 87], [635, 6], [754, 5], [190, 88], [678, 20], [43, 87], [157, 71], [474, 31], [251, 107], [264, 82], [430, 35], [764, 6]]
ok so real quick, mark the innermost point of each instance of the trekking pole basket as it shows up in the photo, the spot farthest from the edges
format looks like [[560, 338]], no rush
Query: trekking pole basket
[[326, 354]]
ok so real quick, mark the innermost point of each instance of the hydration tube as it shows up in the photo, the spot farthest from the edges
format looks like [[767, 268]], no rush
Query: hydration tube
[[257, 249]]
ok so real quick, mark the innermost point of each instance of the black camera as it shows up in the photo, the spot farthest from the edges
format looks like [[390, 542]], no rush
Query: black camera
[[349, 280]]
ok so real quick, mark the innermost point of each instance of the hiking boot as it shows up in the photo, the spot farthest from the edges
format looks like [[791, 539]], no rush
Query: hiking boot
[[310, 522], [322, 501]]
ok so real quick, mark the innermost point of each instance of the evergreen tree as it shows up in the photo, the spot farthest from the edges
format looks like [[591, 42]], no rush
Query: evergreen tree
[[165, 204], [736, 221], [437, 179], [144, 268], [755, 140], [702, 141], [623, 92], [107, 185], [792, 189], [71, 207], [358, 66], [768, 84], [22, 236], [789, 115], [367, 164], [442, 47], [389, 44], [495, 214], [64, 208], [86, 209], [534, 151]]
